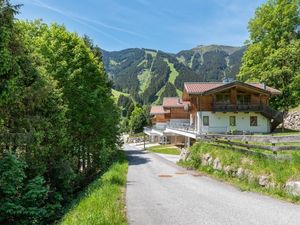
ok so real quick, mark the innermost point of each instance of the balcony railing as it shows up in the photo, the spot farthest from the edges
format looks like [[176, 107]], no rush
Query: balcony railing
[[237, 108], [183, 127]]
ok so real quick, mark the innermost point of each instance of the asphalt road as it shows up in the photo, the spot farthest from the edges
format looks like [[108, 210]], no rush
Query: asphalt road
[[161, 193]]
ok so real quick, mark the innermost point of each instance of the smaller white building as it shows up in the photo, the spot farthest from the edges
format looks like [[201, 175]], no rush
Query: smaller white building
[[220, 122]]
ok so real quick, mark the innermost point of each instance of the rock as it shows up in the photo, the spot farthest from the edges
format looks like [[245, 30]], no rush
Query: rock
[[246, 161], [210, 161], [184, 154], [217, 164], [247, 172], [292, 120], [271, 185], [228, 170], [205, 159], [240, 172], [293, 187], [206, 156], [263, 180], [251, 178]]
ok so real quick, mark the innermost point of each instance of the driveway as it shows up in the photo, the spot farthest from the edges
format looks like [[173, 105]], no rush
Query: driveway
[[161, 193]]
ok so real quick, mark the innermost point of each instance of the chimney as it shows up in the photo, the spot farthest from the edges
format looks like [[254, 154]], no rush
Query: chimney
[[264, 86], [225, 81], [228, 80]]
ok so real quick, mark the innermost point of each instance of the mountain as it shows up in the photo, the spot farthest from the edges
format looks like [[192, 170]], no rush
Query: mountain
[[149, 75]]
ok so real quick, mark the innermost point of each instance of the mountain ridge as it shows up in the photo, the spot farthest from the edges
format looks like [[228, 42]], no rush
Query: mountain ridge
[[148, 75]]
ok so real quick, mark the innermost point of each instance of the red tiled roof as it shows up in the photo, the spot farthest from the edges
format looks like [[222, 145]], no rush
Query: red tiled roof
[[270, 89], [158, 109], [169, 102], [199, 88]]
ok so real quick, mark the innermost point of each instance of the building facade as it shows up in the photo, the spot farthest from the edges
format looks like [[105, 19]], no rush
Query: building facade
[[232, 107]]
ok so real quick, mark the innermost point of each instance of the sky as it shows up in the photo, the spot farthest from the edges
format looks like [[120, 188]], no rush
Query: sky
[[167, 25]]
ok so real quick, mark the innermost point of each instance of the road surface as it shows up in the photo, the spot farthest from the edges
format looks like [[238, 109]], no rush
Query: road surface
[[161, 193]]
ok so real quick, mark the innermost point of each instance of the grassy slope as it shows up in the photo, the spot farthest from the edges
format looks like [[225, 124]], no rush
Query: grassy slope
[[179, 92], [173, 73], [181, 59], [159, 93], [103, 201], [278, 171], [145, 77], [295, 109], [113, 62], [165, 149], [117, 94], [172, 78]]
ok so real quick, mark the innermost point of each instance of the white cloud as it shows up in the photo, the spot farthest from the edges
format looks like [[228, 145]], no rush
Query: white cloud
[[85, 21]]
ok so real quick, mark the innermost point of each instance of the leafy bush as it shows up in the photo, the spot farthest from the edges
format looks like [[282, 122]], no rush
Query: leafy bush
[[22, 201]]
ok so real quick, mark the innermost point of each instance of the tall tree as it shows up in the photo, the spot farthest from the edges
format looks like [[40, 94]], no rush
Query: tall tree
[[137, 120], [32, 118], [273, 55], [76, 64]]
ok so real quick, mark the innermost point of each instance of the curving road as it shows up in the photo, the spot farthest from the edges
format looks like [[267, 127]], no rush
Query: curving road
[[161, 193]]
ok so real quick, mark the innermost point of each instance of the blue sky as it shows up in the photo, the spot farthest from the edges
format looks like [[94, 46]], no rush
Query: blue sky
[[166, 25]]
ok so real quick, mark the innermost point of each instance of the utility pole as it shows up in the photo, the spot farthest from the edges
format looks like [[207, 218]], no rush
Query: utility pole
[[144, 141]]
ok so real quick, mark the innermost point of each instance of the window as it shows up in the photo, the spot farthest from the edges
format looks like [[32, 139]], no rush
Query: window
[[205, 120], [222, 98], [244, 99], [232, 121], [253, 121]]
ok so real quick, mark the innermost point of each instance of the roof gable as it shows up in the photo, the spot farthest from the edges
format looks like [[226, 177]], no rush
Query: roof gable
[[170, 102], [158, 109], [210, 87]]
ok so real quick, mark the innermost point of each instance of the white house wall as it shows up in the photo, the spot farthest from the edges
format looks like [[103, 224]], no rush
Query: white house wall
[[179, 120], [160, 126], [219, 122]]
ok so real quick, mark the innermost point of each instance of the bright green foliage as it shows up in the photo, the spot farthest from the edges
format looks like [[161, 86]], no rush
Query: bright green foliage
[[126, 103], [273, 55], [21, 201], [146, 109], [31, 106], [165, 149], [278, 171], [57, 115], [102, 202], [75, 64], [137, 120]]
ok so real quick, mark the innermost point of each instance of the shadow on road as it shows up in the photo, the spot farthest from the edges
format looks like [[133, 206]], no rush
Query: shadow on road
[[136, 157]]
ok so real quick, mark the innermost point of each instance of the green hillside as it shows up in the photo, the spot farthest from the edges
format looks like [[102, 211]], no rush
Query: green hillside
[[149, 75], [117, 94]]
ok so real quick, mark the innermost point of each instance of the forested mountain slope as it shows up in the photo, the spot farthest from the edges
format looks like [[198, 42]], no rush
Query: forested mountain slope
[[149, 75]]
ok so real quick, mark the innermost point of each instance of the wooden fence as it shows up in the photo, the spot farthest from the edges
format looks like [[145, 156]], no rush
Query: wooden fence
[[268, 142]]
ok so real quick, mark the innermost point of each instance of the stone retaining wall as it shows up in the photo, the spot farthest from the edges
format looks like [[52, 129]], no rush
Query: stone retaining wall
[[292, 121], [264, 180]]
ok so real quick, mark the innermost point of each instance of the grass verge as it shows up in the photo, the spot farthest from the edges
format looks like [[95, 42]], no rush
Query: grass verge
[[165, 149], [280, 132], [245, 170], [103, 200]]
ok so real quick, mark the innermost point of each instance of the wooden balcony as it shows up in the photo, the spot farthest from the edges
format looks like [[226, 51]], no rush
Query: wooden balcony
[[237, 108]]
